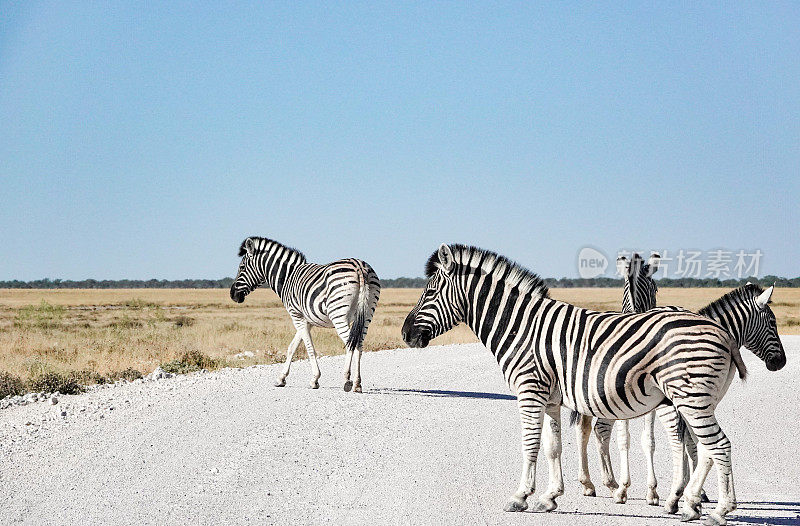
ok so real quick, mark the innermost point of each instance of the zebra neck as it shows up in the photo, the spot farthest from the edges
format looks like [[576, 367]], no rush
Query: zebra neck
[[278, 264], [730, 321], [493, 312]]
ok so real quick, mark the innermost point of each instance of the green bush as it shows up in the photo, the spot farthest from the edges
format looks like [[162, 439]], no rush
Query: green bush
[[88, 377], [10, 385], [50, 382], [191, 361]]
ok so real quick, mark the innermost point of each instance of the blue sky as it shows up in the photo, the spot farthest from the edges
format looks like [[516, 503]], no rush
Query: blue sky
[[141, 141]]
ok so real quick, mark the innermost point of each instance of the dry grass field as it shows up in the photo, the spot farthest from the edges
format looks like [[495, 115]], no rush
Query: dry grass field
[[107, 331]]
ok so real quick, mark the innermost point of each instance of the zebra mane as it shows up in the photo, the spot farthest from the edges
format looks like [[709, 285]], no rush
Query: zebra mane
[[263, 243], [739, 294], [478, 260]]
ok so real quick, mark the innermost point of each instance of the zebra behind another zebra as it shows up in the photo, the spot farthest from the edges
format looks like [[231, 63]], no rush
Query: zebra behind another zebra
[[342, 295], [638, 295], [609, 365], [745, 314]]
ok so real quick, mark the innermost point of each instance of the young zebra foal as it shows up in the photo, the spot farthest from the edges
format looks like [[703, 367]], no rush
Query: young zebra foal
[[342, 295]]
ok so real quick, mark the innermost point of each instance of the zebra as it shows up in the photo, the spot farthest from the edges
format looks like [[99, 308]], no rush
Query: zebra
[[639, 295], [604, 364], [342, 295], [744, 312]]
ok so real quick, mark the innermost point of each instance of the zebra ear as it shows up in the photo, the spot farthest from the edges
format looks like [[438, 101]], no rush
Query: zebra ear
[[622, 265], [446, 259], [652, 263], [763, 299], [249, 246]]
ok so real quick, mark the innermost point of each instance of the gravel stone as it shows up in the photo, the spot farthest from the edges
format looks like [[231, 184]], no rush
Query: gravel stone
[[434, 439]]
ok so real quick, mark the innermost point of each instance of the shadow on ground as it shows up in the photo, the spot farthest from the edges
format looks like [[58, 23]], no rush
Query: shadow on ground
[[443, 393], [740, 516]]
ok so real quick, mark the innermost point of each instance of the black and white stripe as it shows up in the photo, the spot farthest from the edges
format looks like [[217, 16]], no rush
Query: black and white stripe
[[342, 295], [608, 365]]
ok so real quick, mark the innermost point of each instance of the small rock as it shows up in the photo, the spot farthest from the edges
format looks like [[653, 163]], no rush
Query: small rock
[[63, 413], [53, 400]]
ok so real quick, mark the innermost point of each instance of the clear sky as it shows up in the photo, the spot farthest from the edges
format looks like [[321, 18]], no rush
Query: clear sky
[[141, 141]]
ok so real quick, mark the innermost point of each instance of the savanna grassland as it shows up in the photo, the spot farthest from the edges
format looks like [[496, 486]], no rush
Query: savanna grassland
[[101, 335]]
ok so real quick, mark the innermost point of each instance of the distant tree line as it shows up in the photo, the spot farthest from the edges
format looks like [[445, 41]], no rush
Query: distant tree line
[[403, 283], [223, 283]]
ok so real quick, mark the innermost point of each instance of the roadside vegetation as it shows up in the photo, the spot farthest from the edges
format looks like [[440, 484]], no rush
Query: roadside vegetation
[[61, 340]]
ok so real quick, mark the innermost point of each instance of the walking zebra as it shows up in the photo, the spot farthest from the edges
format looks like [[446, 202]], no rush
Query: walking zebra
[[745, 314], [342, 295], [609, 365]]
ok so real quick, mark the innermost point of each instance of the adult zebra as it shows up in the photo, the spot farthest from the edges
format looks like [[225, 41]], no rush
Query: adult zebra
[[745, 314], [638, 295], [342, 295], [609, 365]]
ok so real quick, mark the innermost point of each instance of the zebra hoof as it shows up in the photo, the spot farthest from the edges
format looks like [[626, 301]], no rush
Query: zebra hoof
[[671, 507], [280, 382], [544, 506], [690, 512], [515, 505], [712, 519], [314, 385], [357, 388], [652, 497], [347, 386], [704, 497], [621, 496], [589, 492]]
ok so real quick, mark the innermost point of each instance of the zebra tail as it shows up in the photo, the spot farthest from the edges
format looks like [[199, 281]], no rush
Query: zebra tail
[[683, 431], [573, 418], [356, 330], [737, 360]]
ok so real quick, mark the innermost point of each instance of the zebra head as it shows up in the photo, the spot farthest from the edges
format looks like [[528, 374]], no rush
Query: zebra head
[[250, 274], [761, 330], [441, 305], [639, 289]]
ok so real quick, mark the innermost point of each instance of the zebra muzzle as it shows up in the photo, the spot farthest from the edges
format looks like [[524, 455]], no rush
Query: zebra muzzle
[[237, 295], [417, 337]]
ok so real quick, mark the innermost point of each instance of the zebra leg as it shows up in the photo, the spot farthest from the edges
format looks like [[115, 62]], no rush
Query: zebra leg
[[623, 444], [531, 414], [281, 381], [360, 348], [691, 451], [582, 431], [669, 418], [551, 446], [714, 449], [649, 448], [312, 356], [343, 330], [602, 435], [357, 382]]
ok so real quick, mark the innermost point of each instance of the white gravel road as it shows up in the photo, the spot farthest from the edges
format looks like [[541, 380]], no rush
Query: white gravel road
[[434, 439]]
